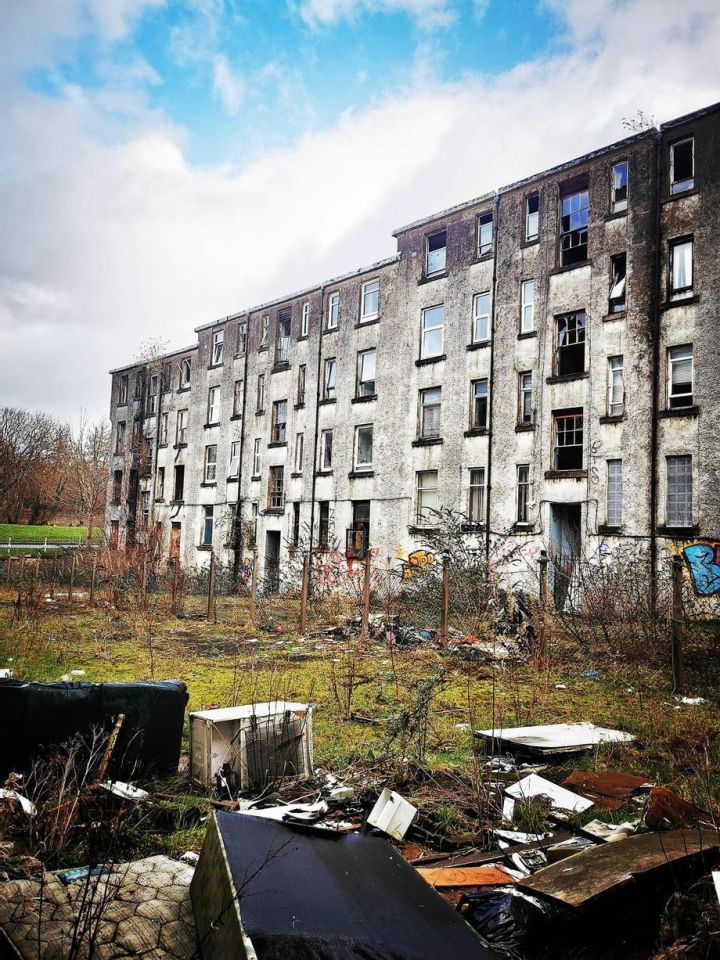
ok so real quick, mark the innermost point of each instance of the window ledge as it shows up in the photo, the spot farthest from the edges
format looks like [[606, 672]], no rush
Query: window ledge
[[618, 315], [527, 335], [424, 361], [679, 412], [570, 266], [281, 367], [326, 402], [177, 503], [273, 511], [209, 426], [357, 474], [299, 406], [159, 499], [533, 242], [295, 474], [259, 413], [520, 527], [419, 530], [323, 473], [607, 528], [427, 441], [122, 404], [208, 483], [616, 215], [611, 418], [372, 396], [428, 278], [263, 348], [476, 432], [328, 330], [367, 323], [204, 547], [277, 443], [478, 346], [524, 427], [681, 194], [183, 389], [680, 302], [162, 446], [236, 416], [567, 377], [565, 474], [680, 532], [239, 356], [179, 446], [215, 366], [473, 526], [233, 480], [482, 258]]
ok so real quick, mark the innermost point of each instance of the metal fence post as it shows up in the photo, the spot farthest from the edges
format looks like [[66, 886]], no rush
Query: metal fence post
[[677, 626]]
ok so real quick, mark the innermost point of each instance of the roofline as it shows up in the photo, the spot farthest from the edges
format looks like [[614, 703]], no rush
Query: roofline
[[371, 268], [443, 214], [696, 114], [163, 356]]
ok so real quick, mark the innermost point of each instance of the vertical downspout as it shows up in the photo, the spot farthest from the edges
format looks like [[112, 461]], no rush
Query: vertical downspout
[[237, 527], [655, 313], [317, 423], [488, 487]]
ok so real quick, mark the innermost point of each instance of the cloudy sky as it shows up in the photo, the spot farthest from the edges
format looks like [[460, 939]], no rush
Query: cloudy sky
[[164, 163]]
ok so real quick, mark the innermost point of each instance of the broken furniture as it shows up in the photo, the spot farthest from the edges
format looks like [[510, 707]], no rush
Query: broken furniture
[[41, 714], [546, 740], [251, 746], [268, 891]]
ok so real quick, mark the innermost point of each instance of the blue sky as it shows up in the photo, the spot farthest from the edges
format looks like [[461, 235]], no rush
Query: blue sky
[[169, 162]]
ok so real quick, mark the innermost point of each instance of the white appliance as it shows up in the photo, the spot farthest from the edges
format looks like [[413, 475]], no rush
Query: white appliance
[[251, 746]]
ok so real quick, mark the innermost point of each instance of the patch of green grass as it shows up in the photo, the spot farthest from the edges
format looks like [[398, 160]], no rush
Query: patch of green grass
[[30, 533]]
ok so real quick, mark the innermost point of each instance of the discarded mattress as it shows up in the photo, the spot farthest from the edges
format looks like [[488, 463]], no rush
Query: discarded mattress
[[268, 891], [41, 714], [546, 740]]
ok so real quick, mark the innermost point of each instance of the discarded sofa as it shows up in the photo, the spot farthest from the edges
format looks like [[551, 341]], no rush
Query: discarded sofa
[[35, 715], [268, 891]]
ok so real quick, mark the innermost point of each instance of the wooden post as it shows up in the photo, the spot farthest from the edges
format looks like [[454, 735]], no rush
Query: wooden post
[[677, 625], [445, 598], [8, 561], [143, 592], [211, 588], [109, 747], [367, 571], [304, 593], [71, 585], [93, 577], [253, 590], [544, 604], [173, 607]]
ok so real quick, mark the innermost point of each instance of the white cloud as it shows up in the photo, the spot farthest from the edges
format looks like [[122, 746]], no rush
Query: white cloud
[[428, 14], [480, 8], [227, 85], [116, 236]]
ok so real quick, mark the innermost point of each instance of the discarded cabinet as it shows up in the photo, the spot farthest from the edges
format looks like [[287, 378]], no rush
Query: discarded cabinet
[[251, 746], [392, 814]]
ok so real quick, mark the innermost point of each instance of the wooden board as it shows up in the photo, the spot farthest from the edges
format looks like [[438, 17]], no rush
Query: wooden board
[[586, 875], [465, 876]]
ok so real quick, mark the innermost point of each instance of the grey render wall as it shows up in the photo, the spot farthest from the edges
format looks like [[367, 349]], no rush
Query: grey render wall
[[642, 437]]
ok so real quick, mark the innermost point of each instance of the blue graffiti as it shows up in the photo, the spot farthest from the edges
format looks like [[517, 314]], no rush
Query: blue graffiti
[[703, 560]]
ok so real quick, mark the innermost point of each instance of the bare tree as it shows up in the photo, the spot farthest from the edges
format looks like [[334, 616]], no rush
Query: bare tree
[[88, 462], [30, 448]]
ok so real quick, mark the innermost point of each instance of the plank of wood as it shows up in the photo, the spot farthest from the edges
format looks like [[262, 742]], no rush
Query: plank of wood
[[465, 876], [591, 873], [478, 858]]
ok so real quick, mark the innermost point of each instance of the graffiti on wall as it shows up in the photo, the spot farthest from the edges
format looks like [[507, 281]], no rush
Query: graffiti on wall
[[703, 561], [247, 568], [416, 564]]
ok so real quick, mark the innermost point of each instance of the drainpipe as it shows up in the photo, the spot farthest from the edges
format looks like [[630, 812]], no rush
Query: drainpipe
[[317, 423], [488, 486], [237, 525], [655, 314]]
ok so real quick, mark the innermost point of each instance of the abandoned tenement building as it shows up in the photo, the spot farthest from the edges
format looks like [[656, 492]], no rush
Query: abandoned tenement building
[[543, 358]]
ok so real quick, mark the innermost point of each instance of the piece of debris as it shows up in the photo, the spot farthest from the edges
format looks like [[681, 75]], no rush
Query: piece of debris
[[555, 738], [692, 701], [291, 812], [664, 809], [5, 673], [610, 831], [559, 797], [189, 857], [507, 918], [297, 894], [491, 875], [125, 790], [566, 848], [716, 882], [392, 814], [27, 806], [609, 789]]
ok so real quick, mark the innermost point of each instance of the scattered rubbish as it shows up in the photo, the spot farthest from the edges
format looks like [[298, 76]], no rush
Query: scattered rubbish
[[554, 738], [77, 673], [5, 673], [363, 900], [692, 701], [81, 873], [240, 748], [508, 919], [392, 814], [566, 848], [291, 812], [590, 674], [189, 857], [489, 876], [528, 861], [664, 809], [559, 797], [610, 831], [27, 806], [594, 872], [609, 789], [125, 790], [561, 686], [517, 836], [508, 809]]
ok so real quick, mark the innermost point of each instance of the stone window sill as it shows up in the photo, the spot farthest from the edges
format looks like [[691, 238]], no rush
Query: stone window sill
[[277, 443], [478, 346], [183, 389], [527, 335], [239, 356], [687, 412], [209, 483], [618, 315], [616, 215], [420, 531], [206, 547], [681, 195], [357, 474], [565, 474], [256, 476], [477, 432], [611, 419], [533, 242], [482, 258], [236, 416], [680, 302], [680, 532], [162, 446], [259, 413], [367, 399], [274, 511], [299, 406], [302, 337], [519, 527], [610, 530], [295, 475], [367, 323], [323, 473], [177, 503], [427, 441], [233, 480], [428, 278], [424, 361], [179, 446], [159, 499], [328, 330], [280, 367], [566, 377], [473, 526], [209, 426], [215, 366], [570, 266], [326, 402], [524, 427]]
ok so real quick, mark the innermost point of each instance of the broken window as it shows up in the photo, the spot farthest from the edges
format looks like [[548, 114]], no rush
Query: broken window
[[430, 407], [242, 332], [619, 187], [166, 381], [527, 324], [260, 395], [179, 486], [282, 336], [295, 529], [257, 452], [185, 368], [160, 484], [234, 469], [238, 398], [485, 233], [523, 492], [123, 391], [479, 410], [213, 409], [164, 420], [182, 426], [324, 525], [680, 377], [211, 463], [526, 408], [366, 373], [264, 331], [426, 496], [613, 507], [152, 400], [333, 317], [568, 427], [476, 502], [436, 245], [326, 450], [207, 527], [305, 322], [300, 400], [218, 347], [117, 486], [358, 538], [279, 421], [364, 447], [145, 506], [679, 507], [618, 266], [254, 508], [481, 317], [616, 387], [574, 205], [139, 386], [299, 450], [682, 165], [570, 344], [532, 217], [681, 268], [120, 437], [329, 379], [370, 301], [433, 321], [276, 488]]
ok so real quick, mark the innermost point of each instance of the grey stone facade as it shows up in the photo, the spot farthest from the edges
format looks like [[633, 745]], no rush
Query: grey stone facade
[[548, 455]]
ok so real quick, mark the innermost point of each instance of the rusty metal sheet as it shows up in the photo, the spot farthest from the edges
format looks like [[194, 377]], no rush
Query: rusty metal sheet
[[608, 789], [665, 808]]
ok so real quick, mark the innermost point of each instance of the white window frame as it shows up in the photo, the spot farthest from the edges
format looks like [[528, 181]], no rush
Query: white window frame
[[421, 491], [260, 396], [257, 457], [616, 387], [367, 315], [484, 220], [681, 292], [234, 468], [675, 356], [208, 515], [361, 360], [686, 520], [160, 490], [265, 331], [523, 494], [482, 309], [301, 385], [305, 322], [333, 315], [482, 382], [426, 328], [213, 408], [619, 206], [472, 487], [218, 348], [614, 493], [242, 335], [238, 398], [680, 186], [330, 374], [529, 234], [525, 392], [326, 447], [182, 426], [185, 372], [299, 451], [210, 471], [527, 305], [441, 264], [425, 406], [365, 465], [164, 425]]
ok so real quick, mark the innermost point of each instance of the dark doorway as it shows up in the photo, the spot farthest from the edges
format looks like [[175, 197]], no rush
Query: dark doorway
[[272, 561], [358, 538], [565, 548]]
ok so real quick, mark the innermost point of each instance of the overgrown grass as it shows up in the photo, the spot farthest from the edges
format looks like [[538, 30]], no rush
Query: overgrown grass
[[29, 533]]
